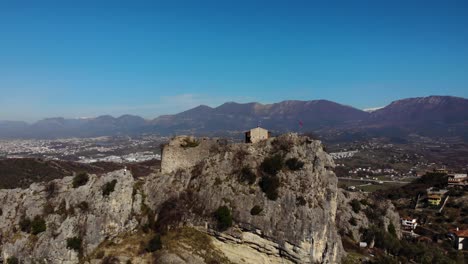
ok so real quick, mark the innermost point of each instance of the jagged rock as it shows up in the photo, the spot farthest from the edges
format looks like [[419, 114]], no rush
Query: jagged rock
[[98, 219]]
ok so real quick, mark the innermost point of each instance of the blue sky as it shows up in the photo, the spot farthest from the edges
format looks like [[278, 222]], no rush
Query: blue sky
[[81, 59]]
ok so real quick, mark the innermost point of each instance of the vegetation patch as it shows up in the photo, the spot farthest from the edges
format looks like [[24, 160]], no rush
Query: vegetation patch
[[35, 227], [74, 243], [217, 181], [38, 225], [224, 217], [190, 143], [256, 210], [154, 244], [418, 186], [108, 188], [282, 144], [356, 205], [270, 185], [12, 260], [294, 164], [246, 175], [80, 179], [171, 213], [193, 241], [272, 165], [392, 230], [131, 245]]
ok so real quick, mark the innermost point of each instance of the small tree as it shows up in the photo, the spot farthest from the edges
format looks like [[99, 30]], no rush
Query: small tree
[[272, 165], [356, 205], [392, 230], [270, 185], [256, 210], [247, 175], [154, 244], [38, 225], [108, 188], [74, 243], [80, 179], [224, 217]]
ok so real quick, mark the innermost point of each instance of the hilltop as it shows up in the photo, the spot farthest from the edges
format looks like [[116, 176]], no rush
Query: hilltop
[[270, 202]]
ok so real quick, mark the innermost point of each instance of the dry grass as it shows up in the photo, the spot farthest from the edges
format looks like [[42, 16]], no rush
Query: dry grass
[[193, 241], [127, 245]]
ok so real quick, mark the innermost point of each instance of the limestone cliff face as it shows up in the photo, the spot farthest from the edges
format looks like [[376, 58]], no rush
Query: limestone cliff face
[[197, 177], [68, 212], [299, 226]]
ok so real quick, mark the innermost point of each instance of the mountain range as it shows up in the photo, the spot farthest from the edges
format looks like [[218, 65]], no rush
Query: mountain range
[[433, 116]]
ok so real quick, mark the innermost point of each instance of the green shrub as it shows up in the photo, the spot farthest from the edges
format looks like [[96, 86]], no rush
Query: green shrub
[[80, 179], [74, 243], [247, 175], [224, 217], [272, 165], [25, 224], [108, 188], [294, 164], [12, 260], [154, 244], [189, 143], [38, 225], [270, 185], [356, 205], [392, 230], [256, 210]]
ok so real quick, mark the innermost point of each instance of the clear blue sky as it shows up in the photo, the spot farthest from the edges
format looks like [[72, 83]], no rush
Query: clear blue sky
[[80, 58]]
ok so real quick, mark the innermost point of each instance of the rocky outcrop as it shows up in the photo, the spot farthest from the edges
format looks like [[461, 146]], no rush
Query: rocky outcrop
[[197, 177], [299, 225], [376, 212], [68, 212]]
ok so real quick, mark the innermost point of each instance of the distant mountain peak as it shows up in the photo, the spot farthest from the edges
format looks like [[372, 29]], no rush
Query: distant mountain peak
[[372, 109]]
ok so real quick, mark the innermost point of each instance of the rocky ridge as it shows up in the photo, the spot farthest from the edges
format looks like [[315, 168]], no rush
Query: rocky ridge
[[197, 177]]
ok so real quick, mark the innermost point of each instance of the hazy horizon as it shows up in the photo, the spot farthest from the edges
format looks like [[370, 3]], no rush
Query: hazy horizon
[[148, 59], [212, 106]]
